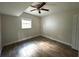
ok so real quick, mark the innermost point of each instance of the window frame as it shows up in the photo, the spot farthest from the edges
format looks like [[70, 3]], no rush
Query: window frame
[[27, 19]]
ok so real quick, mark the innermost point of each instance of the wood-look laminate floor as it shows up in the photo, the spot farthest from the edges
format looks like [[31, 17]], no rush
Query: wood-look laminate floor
[[38, 47]]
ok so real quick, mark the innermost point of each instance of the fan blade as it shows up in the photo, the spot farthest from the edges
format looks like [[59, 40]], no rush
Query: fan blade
[[33, 10], [41, 4], [34, 6], [45, 9]]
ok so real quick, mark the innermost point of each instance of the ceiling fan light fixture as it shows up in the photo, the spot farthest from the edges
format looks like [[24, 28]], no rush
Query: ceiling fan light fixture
[[39, 7]]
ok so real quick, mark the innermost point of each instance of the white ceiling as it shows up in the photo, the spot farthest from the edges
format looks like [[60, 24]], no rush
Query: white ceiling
[[13, 8], [17, 8], [54, 7]]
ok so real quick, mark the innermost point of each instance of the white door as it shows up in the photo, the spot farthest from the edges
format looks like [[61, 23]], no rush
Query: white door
[[0, 35], [75, 32], [78, 34]]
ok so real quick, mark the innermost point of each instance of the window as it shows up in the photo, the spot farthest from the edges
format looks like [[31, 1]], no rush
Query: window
[[26, 23]]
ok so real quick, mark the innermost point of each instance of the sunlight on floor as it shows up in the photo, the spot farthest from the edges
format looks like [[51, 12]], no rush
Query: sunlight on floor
[[46, 46], [28, 50], [32, 49]]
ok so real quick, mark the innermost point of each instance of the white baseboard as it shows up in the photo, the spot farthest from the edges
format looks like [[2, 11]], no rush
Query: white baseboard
[[56, 40], [36, 36], [21, 40]]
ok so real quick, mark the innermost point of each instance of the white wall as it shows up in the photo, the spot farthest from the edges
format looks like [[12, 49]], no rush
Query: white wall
[[34, 31], [0, 34], [58, 27], [11, 28]]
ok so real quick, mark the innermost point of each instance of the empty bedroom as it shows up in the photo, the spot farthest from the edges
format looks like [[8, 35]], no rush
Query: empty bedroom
[[39, 29]]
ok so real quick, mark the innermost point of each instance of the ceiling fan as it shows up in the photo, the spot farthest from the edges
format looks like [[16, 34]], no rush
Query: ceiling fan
[[39, 7]]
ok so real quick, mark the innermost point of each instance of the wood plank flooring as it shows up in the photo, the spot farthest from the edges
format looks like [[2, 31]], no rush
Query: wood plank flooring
[[38, 47]]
